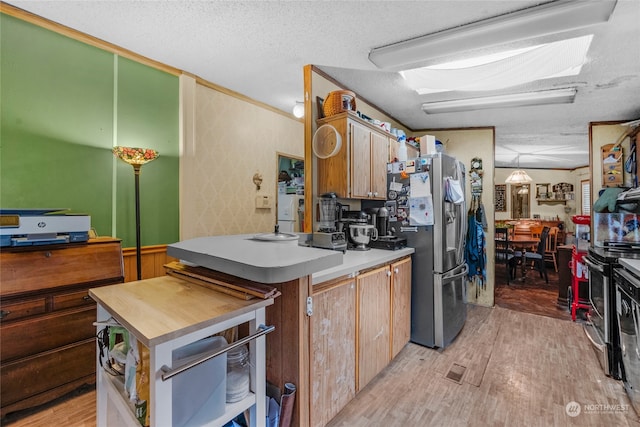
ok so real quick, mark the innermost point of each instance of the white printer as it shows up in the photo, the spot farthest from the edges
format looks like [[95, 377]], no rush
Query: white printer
[[23, 227]]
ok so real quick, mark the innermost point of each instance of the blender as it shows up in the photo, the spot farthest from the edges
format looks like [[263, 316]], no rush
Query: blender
[[328, 235]]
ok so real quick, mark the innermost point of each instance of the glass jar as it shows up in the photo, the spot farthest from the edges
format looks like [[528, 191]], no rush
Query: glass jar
[[238, 374]]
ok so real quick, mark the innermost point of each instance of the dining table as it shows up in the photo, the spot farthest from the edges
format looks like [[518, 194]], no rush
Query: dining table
[[523, 243]]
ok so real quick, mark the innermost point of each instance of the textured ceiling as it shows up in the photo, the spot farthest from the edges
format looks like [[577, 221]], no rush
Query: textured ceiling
[[258, 48]]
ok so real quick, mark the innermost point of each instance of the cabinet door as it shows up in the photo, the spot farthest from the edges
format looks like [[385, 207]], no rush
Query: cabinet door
[[374, 295], [360, 161], [333, 351], [393, 150], [401, 305], [379, 156]]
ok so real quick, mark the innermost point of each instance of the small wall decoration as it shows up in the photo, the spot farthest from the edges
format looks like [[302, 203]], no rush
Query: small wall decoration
[[475, 175], [612, 165], [500, 198]]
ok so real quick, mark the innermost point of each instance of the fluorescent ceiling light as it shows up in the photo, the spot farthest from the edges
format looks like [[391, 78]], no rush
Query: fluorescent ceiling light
[[552, 96], [549, 18], [556, 59]]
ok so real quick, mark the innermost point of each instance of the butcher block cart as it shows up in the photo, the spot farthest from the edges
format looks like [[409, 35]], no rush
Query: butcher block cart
[[165, 314]]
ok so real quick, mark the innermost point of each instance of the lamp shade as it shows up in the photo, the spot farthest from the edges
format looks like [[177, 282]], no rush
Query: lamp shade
[[135, 156], [518, 177]]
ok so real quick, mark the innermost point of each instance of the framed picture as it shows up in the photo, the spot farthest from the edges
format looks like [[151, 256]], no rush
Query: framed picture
[[319, 104], [500, 197]]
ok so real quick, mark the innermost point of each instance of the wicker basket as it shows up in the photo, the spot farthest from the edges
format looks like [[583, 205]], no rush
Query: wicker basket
[[338, 101]]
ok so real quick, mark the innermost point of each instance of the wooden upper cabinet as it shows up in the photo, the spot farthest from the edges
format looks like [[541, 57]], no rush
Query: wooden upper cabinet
[[359, 170], [379, 155], [360, 160]]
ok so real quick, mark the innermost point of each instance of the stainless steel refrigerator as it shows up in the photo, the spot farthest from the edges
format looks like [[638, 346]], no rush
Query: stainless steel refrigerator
[[426, 201]]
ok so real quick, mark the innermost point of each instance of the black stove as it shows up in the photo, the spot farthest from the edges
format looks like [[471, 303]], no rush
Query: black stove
[[630, 249], [603, 326]]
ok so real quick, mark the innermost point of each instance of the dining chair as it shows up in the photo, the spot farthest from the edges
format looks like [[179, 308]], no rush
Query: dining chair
[[537, 257], [536, 231], [551, 247], [504, 252]]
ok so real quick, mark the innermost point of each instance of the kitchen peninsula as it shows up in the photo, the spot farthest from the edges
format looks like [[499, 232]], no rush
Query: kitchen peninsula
[[326, 297]]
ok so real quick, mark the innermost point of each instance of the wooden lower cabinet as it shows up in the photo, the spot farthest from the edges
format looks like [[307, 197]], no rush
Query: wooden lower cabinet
[[333, 348], [374, 320], [359, 324], [48, 339], [401, 305]]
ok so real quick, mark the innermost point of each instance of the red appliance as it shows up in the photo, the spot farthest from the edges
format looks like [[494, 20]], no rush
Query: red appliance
[[579, 270]]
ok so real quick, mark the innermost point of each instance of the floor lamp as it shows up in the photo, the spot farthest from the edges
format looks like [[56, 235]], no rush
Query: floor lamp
[[136, 157]]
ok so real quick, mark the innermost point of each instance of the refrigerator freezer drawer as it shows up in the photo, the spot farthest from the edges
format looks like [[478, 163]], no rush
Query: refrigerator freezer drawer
[[450, 308]]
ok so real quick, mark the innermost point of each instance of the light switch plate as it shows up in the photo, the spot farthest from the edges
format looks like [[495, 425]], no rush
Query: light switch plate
[[263, 202]]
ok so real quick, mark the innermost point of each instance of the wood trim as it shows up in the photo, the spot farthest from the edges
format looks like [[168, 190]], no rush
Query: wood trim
[[84, 38], [308, 158]]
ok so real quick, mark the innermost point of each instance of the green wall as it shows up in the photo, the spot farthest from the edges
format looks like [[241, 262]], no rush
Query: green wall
[[63, 106]]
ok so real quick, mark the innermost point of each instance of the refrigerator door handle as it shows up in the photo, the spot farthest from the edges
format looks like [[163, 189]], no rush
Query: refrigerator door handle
[[450, 276], [408, 229]]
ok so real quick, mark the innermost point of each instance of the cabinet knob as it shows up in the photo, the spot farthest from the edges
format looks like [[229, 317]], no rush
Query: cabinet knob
[[47, 254], [369, 194], [86, 298], [395, 270], [375, 194], [4, 313], [388, 273]]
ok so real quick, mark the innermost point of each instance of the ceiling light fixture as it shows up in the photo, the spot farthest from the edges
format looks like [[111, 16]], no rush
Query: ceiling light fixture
[[542, 97], [518, 176], [298, 109], [548, 60], [549, 18]]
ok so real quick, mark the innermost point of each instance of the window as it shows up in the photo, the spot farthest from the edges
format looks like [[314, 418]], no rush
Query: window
[[586, 197]]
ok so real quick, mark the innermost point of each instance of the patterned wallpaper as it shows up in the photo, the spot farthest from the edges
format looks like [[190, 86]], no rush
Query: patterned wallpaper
[[226, 140]]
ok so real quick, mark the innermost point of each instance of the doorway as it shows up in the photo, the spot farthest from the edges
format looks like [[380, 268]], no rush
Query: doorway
[[531, 295], [290, 193]]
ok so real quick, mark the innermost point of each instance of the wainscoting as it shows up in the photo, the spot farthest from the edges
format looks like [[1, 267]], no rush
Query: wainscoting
[[153, 259]]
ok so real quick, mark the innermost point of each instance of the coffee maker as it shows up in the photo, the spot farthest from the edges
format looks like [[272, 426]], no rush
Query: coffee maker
[[329, 234]]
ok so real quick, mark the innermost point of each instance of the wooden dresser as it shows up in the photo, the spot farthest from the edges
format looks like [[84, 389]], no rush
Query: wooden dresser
[[47, 335]]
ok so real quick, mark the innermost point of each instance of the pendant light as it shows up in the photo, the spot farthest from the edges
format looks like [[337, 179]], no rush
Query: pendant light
[[518, 176]]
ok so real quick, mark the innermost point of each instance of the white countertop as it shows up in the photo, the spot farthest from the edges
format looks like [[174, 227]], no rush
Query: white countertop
[[631, 264], [354, 261], [257, 260], [276, 262]]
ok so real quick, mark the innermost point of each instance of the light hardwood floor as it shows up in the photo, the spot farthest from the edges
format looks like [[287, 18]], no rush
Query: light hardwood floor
[[521, 370]]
